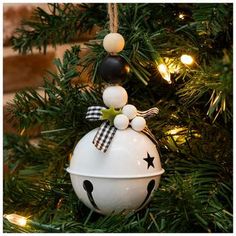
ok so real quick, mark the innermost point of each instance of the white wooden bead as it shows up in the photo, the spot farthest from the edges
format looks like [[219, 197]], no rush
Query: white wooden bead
[[113, 42], [115, 96], [130, 111], [138, 123], [121, 122]]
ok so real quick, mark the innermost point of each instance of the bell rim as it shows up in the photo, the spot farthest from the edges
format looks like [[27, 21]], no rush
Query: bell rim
[[159, 173]]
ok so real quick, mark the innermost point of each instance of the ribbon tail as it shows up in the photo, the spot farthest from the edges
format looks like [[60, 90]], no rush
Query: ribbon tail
[[104, 136], [94, 113], [149, 113], [148, 132]]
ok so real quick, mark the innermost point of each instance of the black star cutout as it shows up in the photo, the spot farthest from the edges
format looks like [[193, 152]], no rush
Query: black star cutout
[[149, 160]]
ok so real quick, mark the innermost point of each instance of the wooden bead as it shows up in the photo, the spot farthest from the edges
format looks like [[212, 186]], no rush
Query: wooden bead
[[113, 68], [115, 96], [113, 42]]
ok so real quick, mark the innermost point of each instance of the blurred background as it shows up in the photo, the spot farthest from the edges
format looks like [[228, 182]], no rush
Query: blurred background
[[23, 71]]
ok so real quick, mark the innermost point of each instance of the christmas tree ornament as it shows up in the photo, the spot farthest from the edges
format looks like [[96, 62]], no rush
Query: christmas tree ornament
[[113, 42], [113, 68], [115, 168], [121, 121], [138, 123], [122, 179], [115, 96], [130, 111]]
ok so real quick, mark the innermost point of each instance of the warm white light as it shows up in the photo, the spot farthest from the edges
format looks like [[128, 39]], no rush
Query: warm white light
[[181, 16], [178, 134], [186, 59], [16, 219], [173, 67], [164, 72]]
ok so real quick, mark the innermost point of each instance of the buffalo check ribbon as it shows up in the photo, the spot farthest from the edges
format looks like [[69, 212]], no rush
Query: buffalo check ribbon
[[149, 113], [106, 131], [94, 113]]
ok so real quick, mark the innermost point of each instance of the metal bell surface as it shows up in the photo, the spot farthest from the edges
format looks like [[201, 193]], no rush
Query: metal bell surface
[[122, 179]]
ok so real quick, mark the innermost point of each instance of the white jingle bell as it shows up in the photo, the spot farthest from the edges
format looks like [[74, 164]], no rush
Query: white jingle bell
[[121, 122], [115, 96], [138, 123], [123, 178], [113, 42], [130, 111]]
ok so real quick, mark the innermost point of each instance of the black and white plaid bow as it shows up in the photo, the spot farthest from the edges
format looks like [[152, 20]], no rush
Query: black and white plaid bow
[[106, 131]]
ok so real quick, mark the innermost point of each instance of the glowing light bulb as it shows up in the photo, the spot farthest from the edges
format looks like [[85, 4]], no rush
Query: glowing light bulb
[[164, 72], [181, 16], [16, 219], [186, 59], [173, 131], [179, 134]]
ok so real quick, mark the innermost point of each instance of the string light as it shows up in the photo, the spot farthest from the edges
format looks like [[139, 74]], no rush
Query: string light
[[176, 130], [164, 72], [181, 16], [186, 59], [162, 68], [22, 132], [180, 134], [23, 221], [16, 219], [172, 65]]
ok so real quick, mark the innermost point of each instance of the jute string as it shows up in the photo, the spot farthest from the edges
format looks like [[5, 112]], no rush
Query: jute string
[[113, 17]]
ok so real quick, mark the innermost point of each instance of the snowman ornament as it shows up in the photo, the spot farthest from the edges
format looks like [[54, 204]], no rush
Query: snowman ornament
[[116, 168]]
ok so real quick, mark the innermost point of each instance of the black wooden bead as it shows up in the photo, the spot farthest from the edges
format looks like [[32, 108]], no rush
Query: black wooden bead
[[113, 68]]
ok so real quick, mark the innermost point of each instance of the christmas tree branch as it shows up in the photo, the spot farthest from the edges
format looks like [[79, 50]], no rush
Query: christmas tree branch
[[63, 23]]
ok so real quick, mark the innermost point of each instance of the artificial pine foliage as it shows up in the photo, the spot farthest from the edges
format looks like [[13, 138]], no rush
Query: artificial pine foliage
[[194, 126]]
